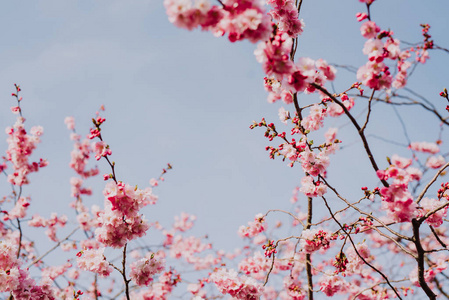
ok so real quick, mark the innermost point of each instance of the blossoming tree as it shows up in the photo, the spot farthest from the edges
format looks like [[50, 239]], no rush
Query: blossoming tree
[[387, 239]]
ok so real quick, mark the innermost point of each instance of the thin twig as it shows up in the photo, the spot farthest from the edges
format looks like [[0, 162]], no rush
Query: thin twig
[[355, 249], [285, 212], [368, 113], [365, 213], [437, 237], [56, 246], [357, 126], [424, 191]]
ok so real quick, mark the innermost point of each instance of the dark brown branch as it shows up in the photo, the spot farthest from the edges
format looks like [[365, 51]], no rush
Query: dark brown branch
[[124, 273], [437, 237], [441, 48], [420, 260], [357, 126], [413, 102], [368, 113], [308, 255], [221, 3]]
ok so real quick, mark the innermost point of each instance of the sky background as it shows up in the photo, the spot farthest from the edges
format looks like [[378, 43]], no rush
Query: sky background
[[188, 98]]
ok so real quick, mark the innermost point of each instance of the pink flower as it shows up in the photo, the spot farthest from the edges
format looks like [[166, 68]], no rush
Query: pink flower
[[228, 282], [361, 16], [274, 56], [400, 162], [314, 120], [116, 229], [331, 284], [101, 149], [369, 29], [314, 239], [15, 110], [284, 115], [335, 110], [328, 71], [331, 134], [253, 228], [142, 271], [425, 147], [287, 15], [255, 266], [93, 260], [8, 255], [435, 162], [70, 122], [127, 199], [429, 205], [311, 189], [398, 202], [184, 222], [355, 263], [20, 148]]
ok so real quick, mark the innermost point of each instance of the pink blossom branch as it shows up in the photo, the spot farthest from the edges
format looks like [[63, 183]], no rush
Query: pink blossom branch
[[274, 253], [432, 212]]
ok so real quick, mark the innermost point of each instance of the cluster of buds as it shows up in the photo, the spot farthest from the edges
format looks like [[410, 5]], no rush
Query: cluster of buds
[[367, 221], [369, 194], [428, 43], [95, 132], [77, 294], [442, 191], [269, 248], [340, 262], [322, 239], [357, 85], [270, 133], [445, 95], [354, 228], [17, 109]]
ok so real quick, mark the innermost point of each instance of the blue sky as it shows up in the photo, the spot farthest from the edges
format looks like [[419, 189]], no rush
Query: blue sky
[[186, 98]]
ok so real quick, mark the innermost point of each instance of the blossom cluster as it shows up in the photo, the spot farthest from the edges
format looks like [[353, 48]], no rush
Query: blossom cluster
[[240, 19], [93, 260], [20, 147], [143, 270], [239, 287]]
